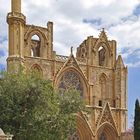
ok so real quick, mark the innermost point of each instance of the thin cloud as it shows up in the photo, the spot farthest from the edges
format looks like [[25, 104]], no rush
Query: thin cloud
[[120, 19]]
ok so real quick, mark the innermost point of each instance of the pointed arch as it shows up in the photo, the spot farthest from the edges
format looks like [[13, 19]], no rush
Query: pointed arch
[[34, 30], [103, 89], [71, 77], [37, 68], [108, 131], [83, 131], [35, 47], [103, 53], [102, 56]]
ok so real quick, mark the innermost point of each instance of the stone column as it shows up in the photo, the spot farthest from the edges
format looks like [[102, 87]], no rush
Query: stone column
[[16, 6]]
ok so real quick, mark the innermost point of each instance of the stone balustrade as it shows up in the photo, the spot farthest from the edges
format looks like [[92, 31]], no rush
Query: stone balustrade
[[61, 57]]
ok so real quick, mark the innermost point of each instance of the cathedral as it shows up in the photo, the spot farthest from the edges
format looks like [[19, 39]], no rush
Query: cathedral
[[96, 71]]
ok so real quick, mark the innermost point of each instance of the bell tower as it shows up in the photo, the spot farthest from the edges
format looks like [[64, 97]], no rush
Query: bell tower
[[16, 21]]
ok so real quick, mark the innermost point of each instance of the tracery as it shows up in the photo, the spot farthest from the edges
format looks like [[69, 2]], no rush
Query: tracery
[[71, 80]]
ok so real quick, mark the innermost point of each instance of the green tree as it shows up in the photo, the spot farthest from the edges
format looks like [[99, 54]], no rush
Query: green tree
[[137, 121], [32, 110]]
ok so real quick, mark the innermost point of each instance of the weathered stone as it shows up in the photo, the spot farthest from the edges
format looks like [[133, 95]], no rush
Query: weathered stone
[[95, 72]]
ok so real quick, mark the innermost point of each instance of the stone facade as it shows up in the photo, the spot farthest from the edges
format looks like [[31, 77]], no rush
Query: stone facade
[[127, 136], [96, 71]]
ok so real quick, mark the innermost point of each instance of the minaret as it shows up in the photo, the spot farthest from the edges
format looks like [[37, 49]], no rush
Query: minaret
[[16, 21], [16, 6]]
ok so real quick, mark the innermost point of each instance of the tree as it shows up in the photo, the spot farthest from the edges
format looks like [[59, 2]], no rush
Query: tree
[[137, 121], [32, 110]]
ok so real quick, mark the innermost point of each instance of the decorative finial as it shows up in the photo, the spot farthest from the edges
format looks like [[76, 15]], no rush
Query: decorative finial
[[71, 49], [103, 29]]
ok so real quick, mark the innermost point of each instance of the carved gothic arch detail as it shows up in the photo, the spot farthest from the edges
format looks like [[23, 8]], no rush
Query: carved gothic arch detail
[[106, 117], [104, 81], [34, 30], [71, 63], [76, 75], [43, 42], [83, 128], [106, 54], [37, 68], [107, 129]]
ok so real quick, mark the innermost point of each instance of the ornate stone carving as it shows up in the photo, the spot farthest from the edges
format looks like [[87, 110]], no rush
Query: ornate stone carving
[[107, 116], [71, 80]]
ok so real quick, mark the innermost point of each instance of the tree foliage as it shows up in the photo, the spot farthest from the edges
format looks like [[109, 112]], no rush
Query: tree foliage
[[32, 110], [137, 121]]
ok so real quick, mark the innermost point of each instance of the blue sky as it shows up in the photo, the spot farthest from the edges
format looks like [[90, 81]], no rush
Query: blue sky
[[74, 21]]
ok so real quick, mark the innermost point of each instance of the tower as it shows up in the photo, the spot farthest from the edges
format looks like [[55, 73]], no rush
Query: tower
[[96, 72], [27, 42], [107, 80], [16, 21]]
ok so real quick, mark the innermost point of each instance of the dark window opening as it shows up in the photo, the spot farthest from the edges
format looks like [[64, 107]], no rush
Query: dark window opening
[[101, 54], [35, 46], [100, 103]]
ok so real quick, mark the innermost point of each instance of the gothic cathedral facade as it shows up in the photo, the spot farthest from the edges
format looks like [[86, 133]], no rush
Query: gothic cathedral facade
[[96, 71]]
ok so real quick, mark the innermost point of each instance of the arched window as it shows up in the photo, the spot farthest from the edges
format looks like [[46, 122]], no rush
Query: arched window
[[37, 69], [35, 46], [102, 55], [83, 52], [71, 80], [103, 88]]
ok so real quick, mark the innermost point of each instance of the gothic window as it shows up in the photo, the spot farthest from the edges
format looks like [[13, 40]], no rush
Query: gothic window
[[102, 55], [103, 137], [35, 46], [71, 80], [103, 87], [36, 68]]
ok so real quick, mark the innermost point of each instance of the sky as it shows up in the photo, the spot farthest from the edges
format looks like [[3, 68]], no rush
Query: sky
[[75, 20]]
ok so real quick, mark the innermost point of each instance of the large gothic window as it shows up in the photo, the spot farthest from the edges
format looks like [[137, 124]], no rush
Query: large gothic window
[[71, 80], [102, 56], [35, 46]]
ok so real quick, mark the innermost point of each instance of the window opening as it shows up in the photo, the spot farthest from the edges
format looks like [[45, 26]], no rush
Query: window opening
[[101, 54], [35, 46], [100, 103], [71, 80]]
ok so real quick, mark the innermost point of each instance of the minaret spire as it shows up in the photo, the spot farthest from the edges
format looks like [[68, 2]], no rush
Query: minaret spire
[[16, 6]]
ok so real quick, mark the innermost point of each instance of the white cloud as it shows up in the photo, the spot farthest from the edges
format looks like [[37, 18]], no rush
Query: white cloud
[[68, 16], [90, 3]]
